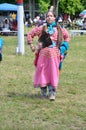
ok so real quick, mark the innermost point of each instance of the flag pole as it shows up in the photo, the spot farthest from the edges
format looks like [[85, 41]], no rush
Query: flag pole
[[20, 18]]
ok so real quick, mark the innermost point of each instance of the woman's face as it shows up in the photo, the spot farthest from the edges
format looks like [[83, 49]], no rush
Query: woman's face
[[50, 17]]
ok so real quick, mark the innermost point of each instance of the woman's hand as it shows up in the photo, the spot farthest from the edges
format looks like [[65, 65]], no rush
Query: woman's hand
[[32, 47]]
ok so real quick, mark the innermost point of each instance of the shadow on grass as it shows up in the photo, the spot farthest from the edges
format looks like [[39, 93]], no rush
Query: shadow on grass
[[24, 95]]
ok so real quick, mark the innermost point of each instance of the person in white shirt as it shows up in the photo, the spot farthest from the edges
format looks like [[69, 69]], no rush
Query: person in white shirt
[[83, 26]]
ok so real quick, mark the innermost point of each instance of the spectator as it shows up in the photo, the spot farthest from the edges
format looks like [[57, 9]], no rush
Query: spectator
[[6, 24], [1, 47], [83, 26]]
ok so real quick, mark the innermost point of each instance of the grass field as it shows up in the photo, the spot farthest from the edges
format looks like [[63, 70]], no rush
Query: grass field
[[20, 105]]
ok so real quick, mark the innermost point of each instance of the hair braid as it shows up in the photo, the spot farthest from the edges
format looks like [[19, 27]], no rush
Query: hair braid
[[59, 36]]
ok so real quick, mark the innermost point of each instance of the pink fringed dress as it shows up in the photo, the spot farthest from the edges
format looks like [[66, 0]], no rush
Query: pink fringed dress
[[47, 70]]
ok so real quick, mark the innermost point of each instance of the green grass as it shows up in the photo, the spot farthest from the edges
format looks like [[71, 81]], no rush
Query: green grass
[[20, 105]]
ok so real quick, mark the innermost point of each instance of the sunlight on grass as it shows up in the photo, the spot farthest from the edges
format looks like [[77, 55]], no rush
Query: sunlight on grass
[[21, 107]]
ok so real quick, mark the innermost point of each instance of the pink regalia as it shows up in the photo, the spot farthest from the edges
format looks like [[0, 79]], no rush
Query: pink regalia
[[47, 70]]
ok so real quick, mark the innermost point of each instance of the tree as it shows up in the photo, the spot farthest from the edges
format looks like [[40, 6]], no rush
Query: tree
[[71, 7], [83, 3], [8, 1], [44, 5], [57, 6]]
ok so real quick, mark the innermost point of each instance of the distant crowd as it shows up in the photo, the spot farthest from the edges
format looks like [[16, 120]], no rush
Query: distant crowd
[[65, 21], [11, 21]]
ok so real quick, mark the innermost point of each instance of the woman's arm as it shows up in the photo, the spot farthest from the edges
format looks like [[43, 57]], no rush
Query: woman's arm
[[66, 35], [33, 33]]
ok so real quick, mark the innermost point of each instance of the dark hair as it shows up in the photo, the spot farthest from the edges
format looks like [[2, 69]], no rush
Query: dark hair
[[45, 39]]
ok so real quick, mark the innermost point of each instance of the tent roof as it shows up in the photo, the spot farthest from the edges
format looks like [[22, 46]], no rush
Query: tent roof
[[8, 7]]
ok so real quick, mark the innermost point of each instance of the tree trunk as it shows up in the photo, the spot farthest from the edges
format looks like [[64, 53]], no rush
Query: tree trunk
[[57, 6]]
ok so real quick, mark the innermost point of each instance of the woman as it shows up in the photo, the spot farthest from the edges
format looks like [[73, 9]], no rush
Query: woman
[[56, 33], [47, 69]]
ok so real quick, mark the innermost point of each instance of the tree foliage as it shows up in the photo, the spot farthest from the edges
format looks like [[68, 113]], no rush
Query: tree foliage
[[83, 2], [8, 1], [43, 5], [71, 6]]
